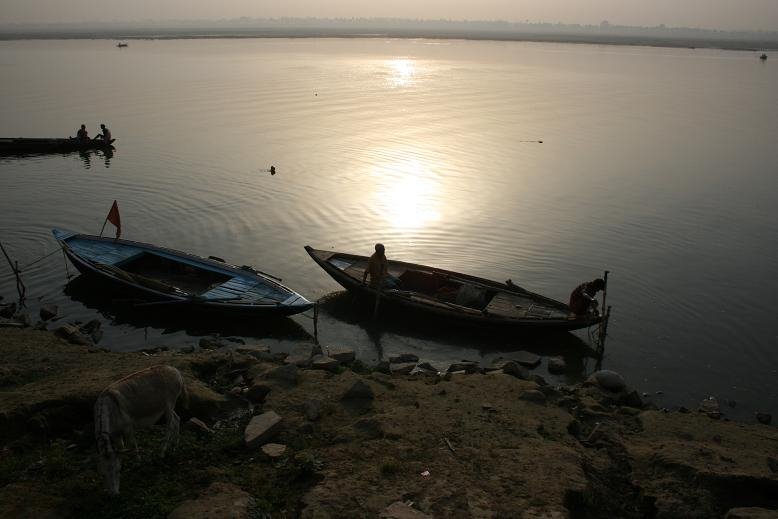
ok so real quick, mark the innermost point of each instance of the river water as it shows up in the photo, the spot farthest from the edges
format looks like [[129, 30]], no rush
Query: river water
[[656, 164]]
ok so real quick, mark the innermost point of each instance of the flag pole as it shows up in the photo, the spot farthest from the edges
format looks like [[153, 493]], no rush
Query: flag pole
[[101, 230]]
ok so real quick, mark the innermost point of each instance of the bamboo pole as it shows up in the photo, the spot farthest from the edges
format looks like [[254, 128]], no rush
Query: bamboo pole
[[20, 288]]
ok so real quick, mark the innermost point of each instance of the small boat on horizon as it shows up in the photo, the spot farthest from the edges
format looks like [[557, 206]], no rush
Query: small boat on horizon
[[763, 57], [453, 296], [163, 276], [122, 45], [24, 145]]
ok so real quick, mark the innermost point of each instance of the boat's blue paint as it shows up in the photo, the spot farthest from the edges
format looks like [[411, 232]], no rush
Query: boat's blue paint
[[246, 290]]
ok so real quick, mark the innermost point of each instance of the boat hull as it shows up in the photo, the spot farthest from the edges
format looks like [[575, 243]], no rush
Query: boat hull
[[495, 314], [23, 146], [235, 294]]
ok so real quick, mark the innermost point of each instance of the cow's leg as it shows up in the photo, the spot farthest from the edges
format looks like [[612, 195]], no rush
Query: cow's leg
[[176, 428], [169, 414]]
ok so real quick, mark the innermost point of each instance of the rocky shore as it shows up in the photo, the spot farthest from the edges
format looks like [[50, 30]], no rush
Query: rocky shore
[[318, 434]]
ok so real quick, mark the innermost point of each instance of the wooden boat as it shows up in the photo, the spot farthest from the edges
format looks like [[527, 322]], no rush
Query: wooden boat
[[763, 57], [121, 45], [21, 146], [451, 295], [169, 277]]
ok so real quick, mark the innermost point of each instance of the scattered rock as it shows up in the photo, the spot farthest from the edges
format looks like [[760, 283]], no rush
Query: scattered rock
[[537, 379], [274, 450], [533, 395], [343, 355], [49, 312], [486, 406], [198, 426], [400, 510], [556, 365], [607, 379], [312, 409], [403, 358], [764, 418], [751, 513], [187, 349], [285, 374], [511, 367], [359, 396], [301, 355], [262, 428], [632, 399], [383, 367], [218, 500], [772, 463], [257, 392], [72, 334], [23, 317], [322, 362], [466, 365], [258, 352], [710, 406], [401, 369], [236, 340], [426, 366], [526, 358], [210, 343]]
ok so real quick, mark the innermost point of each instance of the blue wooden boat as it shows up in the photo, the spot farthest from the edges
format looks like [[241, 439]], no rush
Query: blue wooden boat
[[169, 277], [24, 146], [453, 296]]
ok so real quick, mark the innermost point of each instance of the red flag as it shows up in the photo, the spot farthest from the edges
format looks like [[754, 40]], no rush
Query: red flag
[[114, 218]]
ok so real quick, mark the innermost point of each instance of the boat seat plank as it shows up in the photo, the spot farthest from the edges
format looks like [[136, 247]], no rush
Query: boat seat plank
[[103, 252]]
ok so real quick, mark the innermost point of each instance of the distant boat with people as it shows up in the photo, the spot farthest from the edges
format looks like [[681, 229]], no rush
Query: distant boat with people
[[763, 57], [23, 146]]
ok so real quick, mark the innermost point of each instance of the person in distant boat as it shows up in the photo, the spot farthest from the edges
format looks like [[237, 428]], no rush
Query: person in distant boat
[[582, 299], [378, 269], [106, 135], [82, 135]]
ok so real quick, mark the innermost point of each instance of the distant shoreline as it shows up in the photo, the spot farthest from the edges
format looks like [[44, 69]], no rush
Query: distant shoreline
[[310, 33]]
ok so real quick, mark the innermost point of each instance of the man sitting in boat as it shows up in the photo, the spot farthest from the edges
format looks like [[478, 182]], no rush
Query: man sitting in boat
[[378, 268], [582, 299], [105, 136], [82, 135]]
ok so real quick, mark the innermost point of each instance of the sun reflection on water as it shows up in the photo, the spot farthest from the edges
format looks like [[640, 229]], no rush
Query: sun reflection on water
[[401, 72], [407, 195]]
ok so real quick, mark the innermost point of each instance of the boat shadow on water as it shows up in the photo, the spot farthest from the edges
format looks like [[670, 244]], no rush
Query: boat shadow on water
[[360, 311], [122, 307]]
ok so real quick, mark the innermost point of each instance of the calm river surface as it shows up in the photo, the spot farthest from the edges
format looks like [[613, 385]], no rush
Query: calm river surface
[[659, 165]]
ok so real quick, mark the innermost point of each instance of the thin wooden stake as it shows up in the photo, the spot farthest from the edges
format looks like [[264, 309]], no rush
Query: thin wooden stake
[[316, 323], [20, 288]]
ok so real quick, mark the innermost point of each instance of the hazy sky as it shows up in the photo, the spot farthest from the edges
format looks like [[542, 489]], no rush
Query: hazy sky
[[721, 14]]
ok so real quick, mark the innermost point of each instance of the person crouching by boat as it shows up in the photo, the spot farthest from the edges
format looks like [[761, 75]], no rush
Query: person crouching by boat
[[378, 268], [582, 299], [82, 135], [106, 135]]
